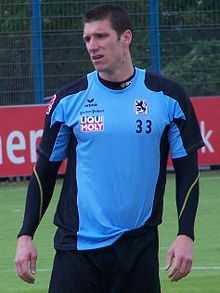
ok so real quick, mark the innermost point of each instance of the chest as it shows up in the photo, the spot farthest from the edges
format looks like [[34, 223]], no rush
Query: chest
[[128, 114]]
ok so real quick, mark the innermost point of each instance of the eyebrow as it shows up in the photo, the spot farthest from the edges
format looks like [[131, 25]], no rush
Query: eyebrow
[[98, 34]]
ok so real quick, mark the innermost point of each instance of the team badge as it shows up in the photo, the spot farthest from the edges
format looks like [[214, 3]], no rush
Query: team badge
[[92, 123], [141, 107]]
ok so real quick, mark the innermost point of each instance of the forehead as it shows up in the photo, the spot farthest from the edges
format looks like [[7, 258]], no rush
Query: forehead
[[97, 26]]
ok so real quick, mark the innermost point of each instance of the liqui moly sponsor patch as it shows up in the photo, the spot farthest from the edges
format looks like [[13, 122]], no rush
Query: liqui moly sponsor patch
[[91, 123]]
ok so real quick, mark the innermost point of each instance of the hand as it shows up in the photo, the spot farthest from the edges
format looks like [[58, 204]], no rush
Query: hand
[[179, 258], [25, 260]]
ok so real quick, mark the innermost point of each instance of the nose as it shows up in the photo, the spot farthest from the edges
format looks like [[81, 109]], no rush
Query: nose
[[92, 45]]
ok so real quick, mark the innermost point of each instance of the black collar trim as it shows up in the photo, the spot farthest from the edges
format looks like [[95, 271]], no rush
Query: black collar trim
[[117, 85]]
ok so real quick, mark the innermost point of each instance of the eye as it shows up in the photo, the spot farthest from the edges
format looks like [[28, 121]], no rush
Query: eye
[[102, 36], [86, 39]]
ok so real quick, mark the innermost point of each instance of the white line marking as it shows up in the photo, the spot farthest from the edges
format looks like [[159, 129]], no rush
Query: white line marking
[[194, 268], [12, 189], [13, 270], [164, 247], [206, 268], [17, 210], [209, 178], [201, 268]]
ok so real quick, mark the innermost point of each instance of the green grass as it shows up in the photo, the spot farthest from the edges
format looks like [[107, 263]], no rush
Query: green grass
[[205, 277]]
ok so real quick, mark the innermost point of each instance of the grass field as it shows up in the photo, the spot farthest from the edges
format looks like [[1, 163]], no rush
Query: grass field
[[205, 277]]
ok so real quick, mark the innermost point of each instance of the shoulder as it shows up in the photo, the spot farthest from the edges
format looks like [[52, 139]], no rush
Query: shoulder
[[170, 88], [158, 83], [73, 87]]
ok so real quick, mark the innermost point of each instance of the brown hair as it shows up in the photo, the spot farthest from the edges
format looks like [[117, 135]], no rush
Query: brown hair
[[117, 15]]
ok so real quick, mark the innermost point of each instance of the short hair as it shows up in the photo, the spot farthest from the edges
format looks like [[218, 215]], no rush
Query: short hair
[[117, 15]]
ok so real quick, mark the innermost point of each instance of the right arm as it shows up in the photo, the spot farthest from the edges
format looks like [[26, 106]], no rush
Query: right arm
[[39, 194]]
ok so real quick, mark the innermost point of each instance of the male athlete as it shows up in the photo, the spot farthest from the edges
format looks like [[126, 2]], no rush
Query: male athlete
[[115, 126]]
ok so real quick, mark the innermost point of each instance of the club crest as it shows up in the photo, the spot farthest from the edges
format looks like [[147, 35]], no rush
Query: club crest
[[141, 107]]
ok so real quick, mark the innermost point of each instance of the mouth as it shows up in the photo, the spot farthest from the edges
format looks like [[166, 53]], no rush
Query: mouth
[[97, 58]]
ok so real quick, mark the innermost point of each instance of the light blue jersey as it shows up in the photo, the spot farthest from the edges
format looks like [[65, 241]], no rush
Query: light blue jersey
[[116, 143]]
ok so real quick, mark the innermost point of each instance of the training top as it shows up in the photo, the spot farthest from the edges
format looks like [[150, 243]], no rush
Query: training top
[[116, 142]]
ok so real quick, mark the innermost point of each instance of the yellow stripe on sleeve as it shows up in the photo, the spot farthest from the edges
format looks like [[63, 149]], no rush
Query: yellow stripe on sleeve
[[188, 194], [41, 193]]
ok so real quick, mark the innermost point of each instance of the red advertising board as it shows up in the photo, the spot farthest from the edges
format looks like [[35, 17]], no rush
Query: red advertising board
[[22, 127], [208, 113]]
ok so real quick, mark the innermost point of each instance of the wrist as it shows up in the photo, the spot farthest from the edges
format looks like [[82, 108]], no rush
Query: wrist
[[184, 237], [25, 238]]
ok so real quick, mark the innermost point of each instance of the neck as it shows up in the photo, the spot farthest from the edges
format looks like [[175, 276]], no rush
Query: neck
[[117, 85], [121, 73]]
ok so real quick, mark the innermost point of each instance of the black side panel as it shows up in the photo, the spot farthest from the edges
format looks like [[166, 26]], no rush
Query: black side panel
[[67, 217], [156, 216]]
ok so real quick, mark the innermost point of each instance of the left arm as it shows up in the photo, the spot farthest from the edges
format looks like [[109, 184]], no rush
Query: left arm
[[179, 256]]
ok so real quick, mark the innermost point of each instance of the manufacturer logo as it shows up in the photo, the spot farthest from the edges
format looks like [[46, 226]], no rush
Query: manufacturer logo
[[50, 105], [92, 123], [91, 103], [141, 107]]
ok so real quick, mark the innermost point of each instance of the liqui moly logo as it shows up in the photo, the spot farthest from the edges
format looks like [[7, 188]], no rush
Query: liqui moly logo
[[92, 123]]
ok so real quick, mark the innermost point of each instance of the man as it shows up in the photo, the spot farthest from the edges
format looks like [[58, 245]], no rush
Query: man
[[115, 126]]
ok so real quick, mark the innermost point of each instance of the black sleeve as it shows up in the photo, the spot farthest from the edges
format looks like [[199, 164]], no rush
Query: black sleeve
[[187, 192], [39, 194], [42, 182], [189, 127]]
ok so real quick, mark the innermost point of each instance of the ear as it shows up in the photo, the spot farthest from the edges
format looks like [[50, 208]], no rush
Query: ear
[[126, 37]]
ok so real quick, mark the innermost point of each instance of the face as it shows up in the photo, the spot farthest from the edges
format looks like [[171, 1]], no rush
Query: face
[[106, 49]]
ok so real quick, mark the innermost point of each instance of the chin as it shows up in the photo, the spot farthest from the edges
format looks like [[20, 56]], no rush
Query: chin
[[99, 65], [100, 68]]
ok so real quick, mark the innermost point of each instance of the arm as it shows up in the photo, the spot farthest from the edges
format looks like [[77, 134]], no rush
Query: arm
[[39, 194], [179, 256]]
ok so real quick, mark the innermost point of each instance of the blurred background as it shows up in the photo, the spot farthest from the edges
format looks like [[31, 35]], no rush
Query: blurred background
[[41, 49], [41, 46]]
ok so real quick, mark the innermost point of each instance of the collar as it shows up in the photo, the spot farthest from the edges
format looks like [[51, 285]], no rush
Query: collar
[[119, 84]]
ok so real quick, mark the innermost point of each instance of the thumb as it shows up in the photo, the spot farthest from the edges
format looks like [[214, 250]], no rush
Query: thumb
[[169, 258], [33, 264]]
